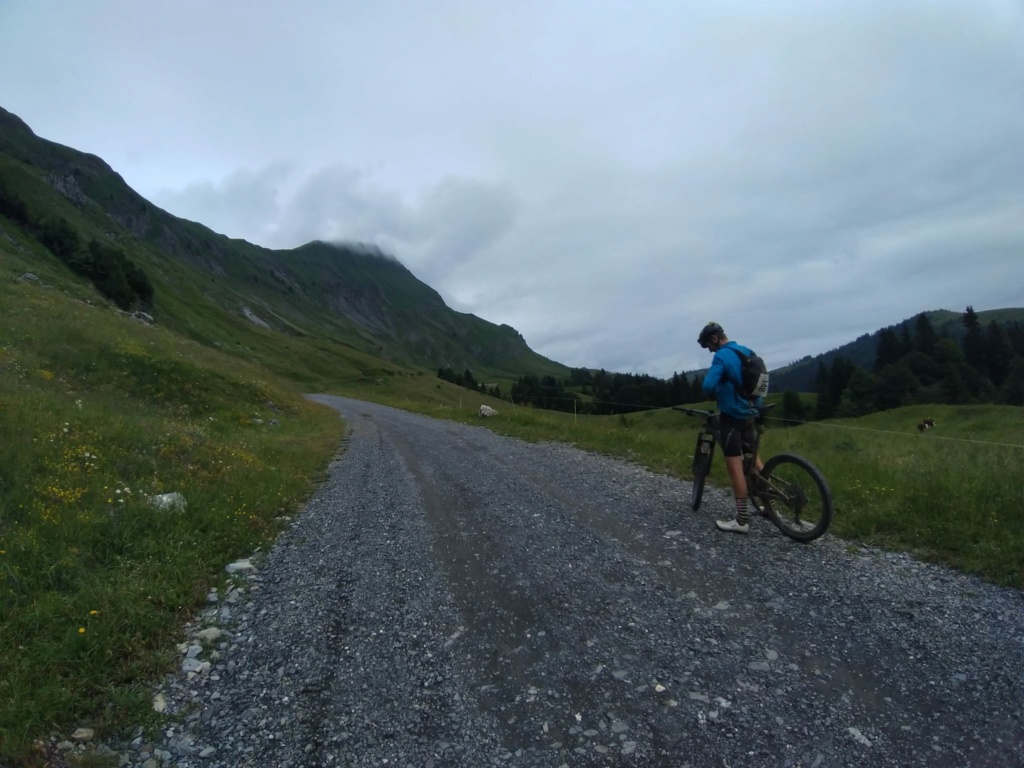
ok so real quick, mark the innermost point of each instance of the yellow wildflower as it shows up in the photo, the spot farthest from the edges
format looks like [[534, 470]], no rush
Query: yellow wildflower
[[81, 630]]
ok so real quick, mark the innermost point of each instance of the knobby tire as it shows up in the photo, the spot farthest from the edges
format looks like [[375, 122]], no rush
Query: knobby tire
[[795, 468], [701, 468]]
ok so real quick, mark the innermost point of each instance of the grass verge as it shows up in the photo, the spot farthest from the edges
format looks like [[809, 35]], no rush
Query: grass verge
[[98, 414]]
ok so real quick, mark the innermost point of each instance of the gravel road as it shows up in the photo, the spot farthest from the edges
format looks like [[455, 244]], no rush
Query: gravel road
[[452, 597]]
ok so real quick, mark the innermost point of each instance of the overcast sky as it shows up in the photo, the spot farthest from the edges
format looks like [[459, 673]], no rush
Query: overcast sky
[[603, 176]]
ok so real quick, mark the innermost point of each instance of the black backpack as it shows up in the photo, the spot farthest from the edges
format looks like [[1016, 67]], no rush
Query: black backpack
[[753, 375]]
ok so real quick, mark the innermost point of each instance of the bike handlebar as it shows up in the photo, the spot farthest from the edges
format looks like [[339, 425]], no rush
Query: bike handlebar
[[692, 411], [763, 409]]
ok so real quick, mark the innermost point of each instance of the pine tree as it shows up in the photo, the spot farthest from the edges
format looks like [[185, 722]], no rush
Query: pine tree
[[858, 396], [889, 349], [998, 353], [955, 370], [906, 340], [925, 337], [1015, 331], [974, 341], [839, 377], [824, 407], [792, 407], [1012, 392], [679, 389], [897, 386]]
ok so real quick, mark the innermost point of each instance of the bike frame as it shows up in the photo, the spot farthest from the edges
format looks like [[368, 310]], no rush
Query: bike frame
[[711, 433]]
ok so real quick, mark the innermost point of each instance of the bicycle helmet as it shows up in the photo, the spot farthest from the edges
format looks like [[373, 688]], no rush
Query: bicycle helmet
[[709, 330]]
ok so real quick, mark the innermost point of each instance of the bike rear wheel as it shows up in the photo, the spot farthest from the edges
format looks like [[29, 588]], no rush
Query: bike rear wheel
[[701, 468], [796, 496]]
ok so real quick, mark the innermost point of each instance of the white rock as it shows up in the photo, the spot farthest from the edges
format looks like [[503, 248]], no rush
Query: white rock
[[486, 410], [240, 566], [859, 737], [168, 501], [255, 319], [159, 703], [82, 735]]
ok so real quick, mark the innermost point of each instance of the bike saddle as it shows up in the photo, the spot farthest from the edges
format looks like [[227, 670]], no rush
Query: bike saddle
[[763, 409]]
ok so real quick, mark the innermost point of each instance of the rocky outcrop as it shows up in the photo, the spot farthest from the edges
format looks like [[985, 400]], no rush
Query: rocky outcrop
[[255, 319], [67, 185]]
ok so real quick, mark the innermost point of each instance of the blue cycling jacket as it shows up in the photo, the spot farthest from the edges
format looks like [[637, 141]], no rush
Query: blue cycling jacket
[[723, 380]]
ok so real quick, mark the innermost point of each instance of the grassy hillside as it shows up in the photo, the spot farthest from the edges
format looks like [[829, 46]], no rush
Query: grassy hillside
[[98, 412], [221, 291]]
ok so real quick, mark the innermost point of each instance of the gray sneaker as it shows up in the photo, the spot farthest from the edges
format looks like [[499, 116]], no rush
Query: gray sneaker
[[733, 525]]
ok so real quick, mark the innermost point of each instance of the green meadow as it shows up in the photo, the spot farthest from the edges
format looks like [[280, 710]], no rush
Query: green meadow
[[98, 414]]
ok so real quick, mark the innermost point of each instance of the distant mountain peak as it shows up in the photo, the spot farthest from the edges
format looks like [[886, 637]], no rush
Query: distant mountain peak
[[354, 247]]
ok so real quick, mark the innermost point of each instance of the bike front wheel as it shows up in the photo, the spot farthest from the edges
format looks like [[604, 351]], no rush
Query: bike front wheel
[[701, 469], [796, 496]]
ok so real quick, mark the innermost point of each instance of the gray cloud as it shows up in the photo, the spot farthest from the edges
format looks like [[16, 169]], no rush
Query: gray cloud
[[605, 178]]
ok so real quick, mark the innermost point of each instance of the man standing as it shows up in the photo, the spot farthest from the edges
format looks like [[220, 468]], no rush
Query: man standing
[[724, 382]]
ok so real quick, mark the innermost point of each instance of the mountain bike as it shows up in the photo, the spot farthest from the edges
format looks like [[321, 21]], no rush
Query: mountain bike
[[789, 490]]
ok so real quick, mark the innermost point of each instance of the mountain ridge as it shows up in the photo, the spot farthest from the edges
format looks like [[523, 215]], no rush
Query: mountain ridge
[[353, 294], [799, 375], [343, 294]]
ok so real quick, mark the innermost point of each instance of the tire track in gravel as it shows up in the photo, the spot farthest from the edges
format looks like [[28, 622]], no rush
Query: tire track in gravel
[[523, 636], [487, 601]]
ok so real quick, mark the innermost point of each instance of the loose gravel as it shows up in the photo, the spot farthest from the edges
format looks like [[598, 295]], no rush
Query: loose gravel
[[452, 597]]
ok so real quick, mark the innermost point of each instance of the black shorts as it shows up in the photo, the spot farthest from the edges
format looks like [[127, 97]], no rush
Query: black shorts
[[735, 432]]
